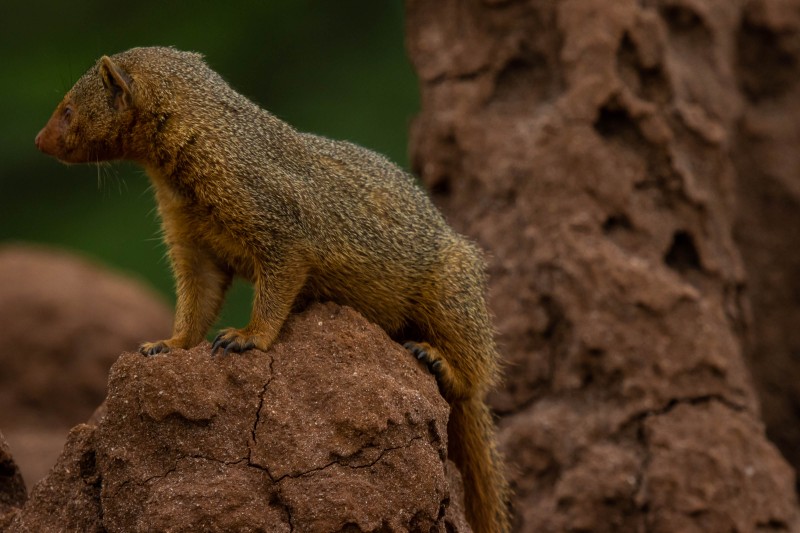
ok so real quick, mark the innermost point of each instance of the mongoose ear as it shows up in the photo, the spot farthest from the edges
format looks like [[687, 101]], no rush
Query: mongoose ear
[[117, 83]]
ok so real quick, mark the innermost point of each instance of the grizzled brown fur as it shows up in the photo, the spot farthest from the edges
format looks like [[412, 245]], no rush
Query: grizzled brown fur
[[300, 216]]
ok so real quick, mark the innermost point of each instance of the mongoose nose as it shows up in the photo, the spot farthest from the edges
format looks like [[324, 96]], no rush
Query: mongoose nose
[[38, 140]]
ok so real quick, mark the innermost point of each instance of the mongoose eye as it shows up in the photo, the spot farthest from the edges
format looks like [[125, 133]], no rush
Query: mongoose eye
[[67, 113]]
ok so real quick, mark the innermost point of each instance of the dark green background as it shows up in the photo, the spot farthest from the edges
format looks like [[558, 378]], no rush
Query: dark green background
[[335, 68]]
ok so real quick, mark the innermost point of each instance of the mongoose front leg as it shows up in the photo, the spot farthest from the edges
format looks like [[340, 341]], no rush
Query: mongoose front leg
[[276, 287], [201, 286]]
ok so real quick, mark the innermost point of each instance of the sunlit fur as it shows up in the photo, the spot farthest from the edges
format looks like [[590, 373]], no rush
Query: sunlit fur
[[303, 218]]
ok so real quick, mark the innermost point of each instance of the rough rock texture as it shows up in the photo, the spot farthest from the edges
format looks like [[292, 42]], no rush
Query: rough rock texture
[[335, 428], [768, 217], [65, 321], [12, 486], [68, 498], [587, 145]]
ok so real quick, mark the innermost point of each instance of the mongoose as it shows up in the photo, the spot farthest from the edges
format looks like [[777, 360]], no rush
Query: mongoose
[[303, 218]]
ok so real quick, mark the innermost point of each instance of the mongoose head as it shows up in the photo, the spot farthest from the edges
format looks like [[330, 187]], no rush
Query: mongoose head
[[118, 109], [87, 124]]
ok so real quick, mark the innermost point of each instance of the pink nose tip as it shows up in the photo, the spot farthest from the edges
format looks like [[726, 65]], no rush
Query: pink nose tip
[[41, 142]]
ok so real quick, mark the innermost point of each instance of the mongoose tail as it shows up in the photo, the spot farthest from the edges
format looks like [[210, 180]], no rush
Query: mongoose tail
[[471, 446], [459, 348]]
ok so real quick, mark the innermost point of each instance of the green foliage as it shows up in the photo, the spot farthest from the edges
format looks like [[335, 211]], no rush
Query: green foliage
[[333, 68]]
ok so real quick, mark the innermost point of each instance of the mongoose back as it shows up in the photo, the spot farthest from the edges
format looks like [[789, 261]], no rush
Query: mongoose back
[[241, 193]]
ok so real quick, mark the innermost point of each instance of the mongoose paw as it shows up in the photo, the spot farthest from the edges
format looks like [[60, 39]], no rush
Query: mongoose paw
[[153, 348], [430, 357], [450, 387], [232, 340]]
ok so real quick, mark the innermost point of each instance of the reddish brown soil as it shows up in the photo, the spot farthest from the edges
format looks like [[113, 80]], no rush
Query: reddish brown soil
[[12, 486], [605, 154], [261, 441], [767, 228]]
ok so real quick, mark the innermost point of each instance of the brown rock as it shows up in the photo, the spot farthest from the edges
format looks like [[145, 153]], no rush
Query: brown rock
[[710, 470], [587, 146], [68, 498], [12, 486], [768, 216], [335, 428], [70, 319]]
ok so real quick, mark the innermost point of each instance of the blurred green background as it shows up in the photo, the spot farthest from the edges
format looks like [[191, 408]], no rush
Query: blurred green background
[[334, 68]]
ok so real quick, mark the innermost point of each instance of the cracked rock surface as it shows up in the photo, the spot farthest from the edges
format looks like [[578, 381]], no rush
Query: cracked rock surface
[[603, 153], [335, 428]]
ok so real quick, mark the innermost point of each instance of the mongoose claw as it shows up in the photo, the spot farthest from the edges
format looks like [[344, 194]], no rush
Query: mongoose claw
[[228, 341], [415, 349], [434, 364], [217, 343]]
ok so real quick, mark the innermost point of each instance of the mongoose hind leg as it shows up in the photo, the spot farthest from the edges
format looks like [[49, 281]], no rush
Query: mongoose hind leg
[[448, 380]]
